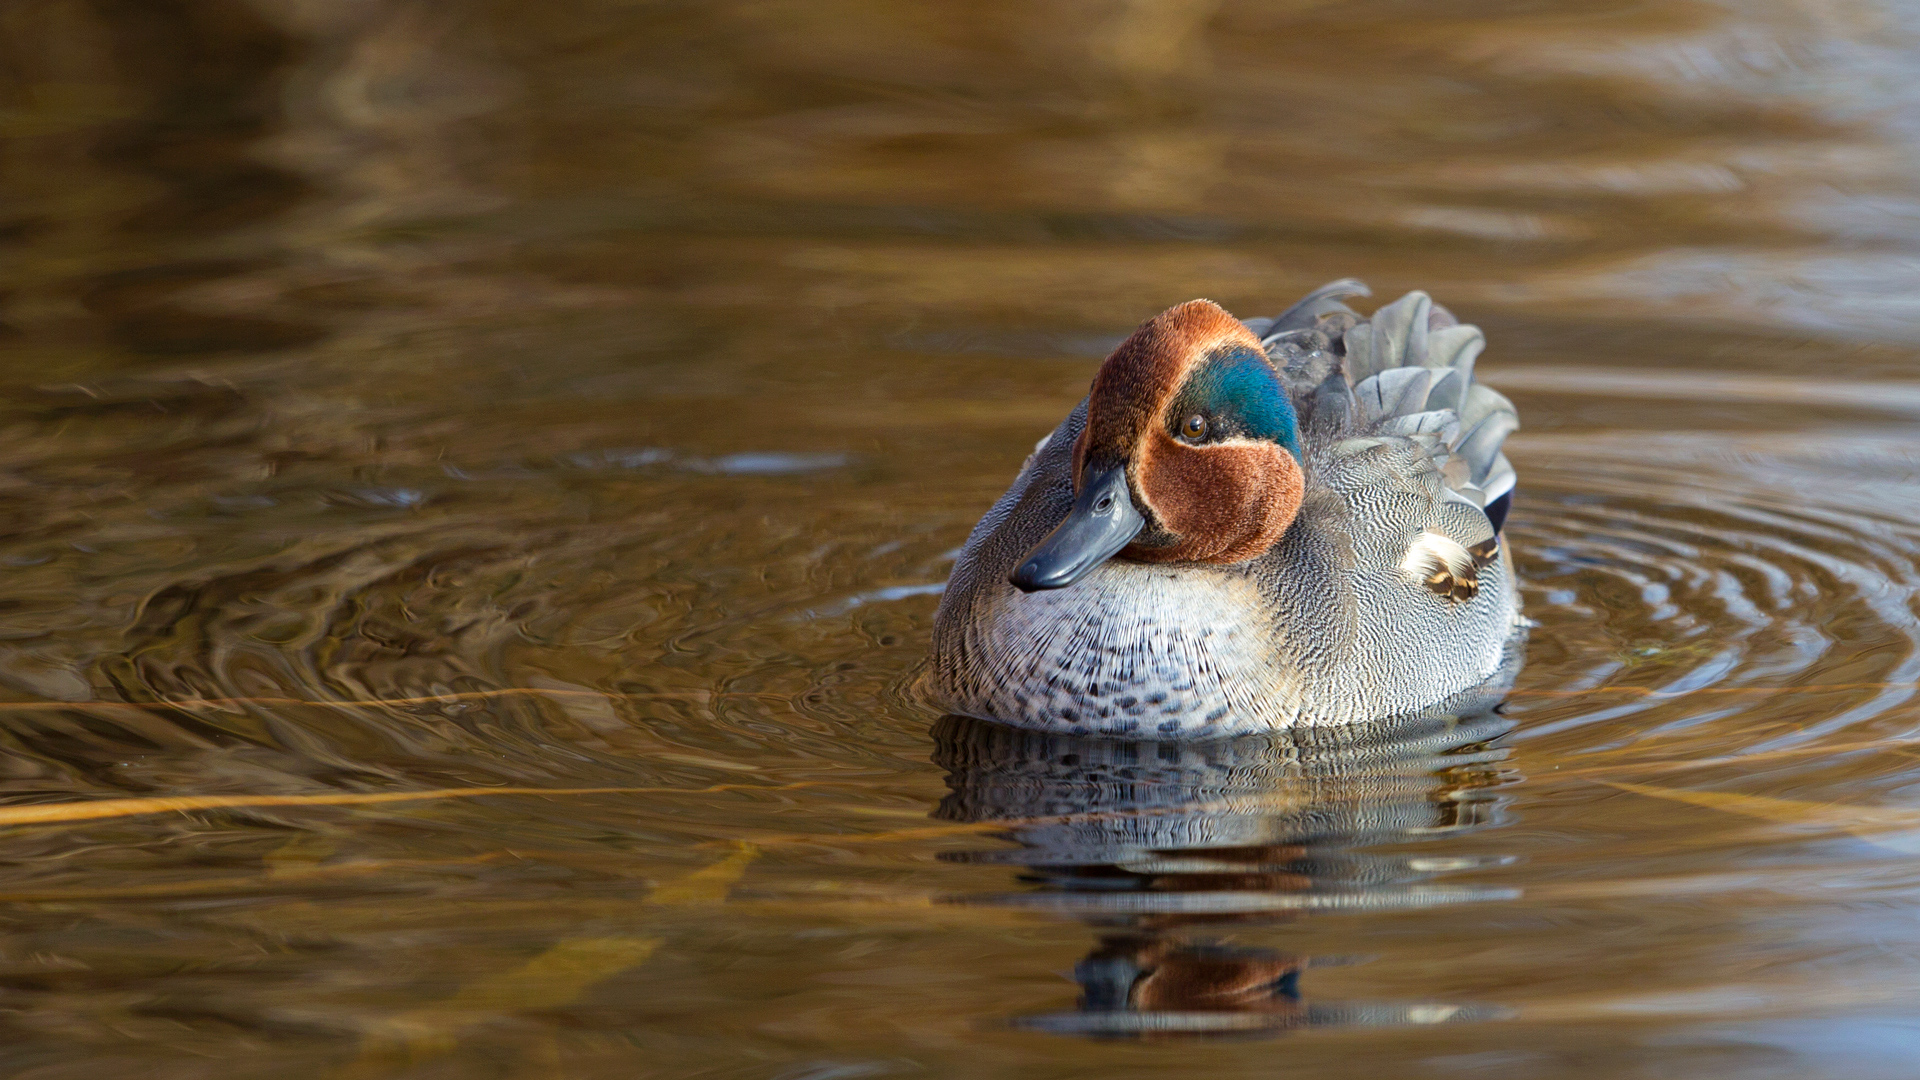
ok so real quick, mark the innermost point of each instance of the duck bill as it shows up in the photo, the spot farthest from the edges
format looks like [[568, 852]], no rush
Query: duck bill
[[1101, 522]]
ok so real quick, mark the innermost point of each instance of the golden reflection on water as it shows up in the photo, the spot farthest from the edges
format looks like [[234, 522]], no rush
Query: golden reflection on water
[[476, 482]]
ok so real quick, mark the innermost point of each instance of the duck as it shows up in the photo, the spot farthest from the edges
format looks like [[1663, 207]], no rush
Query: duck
[[1247, 526]]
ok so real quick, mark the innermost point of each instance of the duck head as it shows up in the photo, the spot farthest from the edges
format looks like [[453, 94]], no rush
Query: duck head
[[1191, 453]]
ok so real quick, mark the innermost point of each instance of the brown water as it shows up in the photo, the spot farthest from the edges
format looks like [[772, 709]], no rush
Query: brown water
[[411, 397]]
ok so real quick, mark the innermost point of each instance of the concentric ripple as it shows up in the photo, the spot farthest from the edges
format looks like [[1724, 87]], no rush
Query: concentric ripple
[[1689, 583]]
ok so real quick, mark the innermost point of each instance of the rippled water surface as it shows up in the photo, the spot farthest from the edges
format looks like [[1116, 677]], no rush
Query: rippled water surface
[[405, 402]]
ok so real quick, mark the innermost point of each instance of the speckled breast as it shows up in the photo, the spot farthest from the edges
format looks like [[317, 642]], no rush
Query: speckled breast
[[1132, 649]]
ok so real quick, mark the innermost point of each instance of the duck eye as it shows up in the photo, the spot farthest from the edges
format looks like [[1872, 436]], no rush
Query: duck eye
[[1195, 426]]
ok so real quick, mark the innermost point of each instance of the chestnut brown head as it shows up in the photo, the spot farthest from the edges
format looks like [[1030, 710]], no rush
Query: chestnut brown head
[[1191, 453]]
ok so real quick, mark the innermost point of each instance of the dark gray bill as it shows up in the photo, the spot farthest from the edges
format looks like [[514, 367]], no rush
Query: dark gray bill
[[1101, 522]]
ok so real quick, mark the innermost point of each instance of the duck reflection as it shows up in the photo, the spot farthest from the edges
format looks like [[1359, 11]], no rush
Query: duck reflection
[[1165, 848]]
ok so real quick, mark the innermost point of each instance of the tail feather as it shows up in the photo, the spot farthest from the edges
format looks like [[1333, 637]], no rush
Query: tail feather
[[1308, 309], [1499, 482], [1410, 368], [1442, 422], [1396, 392], [1481, 446], [1454, 349], [1396, 337], [1484, 401]]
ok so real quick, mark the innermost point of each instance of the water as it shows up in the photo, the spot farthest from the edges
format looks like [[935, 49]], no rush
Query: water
[[414, 398]]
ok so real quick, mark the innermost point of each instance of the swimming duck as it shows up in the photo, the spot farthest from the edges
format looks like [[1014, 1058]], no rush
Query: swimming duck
[[1246, 526]]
